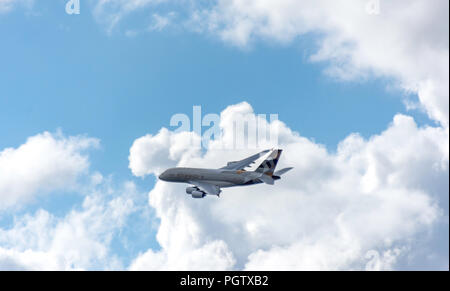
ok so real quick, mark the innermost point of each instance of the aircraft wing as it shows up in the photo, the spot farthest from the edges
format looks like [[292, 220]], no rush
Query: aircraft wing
[[240, 165], [208, 188]]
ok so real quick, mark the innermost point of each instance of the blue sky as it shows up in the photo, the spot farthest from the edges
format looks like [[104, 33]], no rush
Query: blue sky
[[64, 71], [67, 72]]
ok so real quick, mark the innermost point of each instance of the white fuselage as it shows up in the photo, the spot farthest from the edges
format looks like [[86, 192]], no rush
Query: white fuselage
[[221, 178]]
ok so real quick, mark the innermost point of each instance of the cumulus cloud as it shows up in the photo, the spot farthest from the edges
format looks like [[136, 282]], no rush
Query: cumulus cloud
[[161, 21], [8, 5], [372, 204], [364, 206], [82, 238], [44, 163], [111, 12], [79, 240], [152, 154], [404, 40]]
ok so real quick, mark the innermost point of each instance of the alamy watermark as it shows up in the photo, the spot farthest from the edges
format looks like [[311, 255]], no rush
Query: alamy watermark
[[247, 131], [73, 7], [373, 7]]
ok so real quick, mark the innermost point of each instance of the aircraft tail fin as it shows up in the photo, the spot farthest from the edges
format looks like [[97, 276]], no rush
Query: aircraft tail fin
[[270, 163]]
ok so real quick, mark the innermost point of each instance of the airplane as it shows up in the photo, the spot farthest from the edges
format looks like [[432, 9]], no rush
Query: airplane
[[210, 181]]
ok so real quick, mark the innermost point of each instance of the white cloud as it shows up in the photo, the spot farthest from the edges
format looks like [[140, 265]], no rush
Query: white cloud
[[131, 33], [213, 256], [111, 12], [366, 206], [80, 240], [333, 211], [8, 5], [44, 163], [385, 261], [406, 41], [161, 21], [152, 154]]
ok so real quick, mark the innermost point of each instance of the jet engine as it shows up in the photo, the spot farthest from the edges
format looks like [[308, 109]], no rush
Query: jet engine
[[189, 190], [198, 194], [195, 192]]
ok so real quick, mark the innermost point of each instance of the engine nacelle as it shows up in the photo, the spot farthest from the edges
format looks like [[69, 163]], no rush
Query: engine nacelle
[[189, 190], [198, 194]]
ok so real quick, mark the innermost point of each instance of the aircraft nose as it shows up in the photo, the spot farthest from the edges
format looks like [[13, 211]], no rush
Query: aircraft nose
[[163, 176]]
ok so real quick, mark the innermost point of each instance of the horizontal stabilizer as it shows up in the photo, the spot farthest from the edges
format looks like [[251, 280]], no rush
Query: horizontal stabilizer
[[266, 179], [282, 171]]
